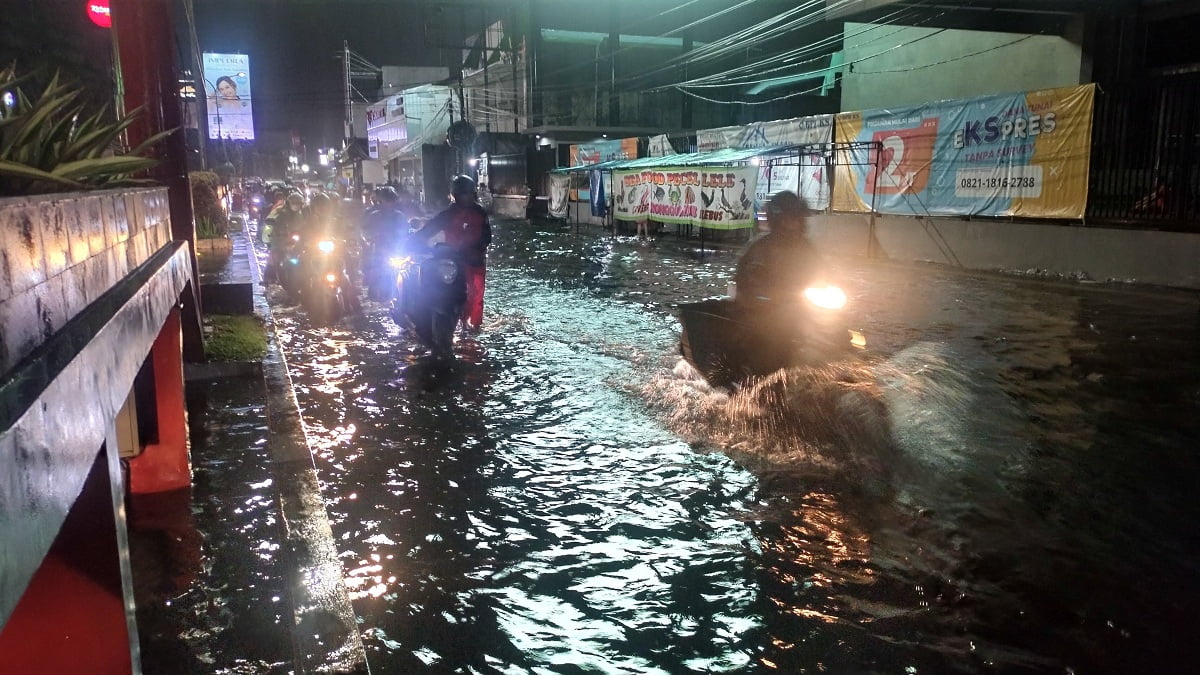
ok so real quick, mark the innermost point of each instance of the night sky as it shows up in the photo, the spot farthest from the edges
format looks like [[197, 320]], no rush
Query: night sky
[[293, 48]]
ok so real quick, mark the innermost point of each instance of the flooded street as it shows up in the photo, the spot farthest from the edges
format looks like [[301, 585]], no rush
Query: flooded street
[[1004, 484]]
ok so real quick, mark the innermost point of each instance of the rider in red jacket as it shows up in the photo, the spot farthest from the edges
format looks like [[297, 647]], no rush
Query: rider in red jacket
[[464, 225]]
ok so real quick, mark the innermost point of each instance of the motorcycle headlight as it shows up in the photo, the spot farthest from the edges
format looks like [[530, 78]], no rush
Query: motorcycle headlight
[[447, 270], [294, 261], [826, 297], [257, 200], [295, 237], [398, 262], [331, 278], [325, 246]]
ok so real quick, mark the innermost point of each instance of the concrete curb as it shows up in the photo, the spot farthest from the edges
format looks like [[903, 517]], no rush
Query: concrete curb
[[325, 636]]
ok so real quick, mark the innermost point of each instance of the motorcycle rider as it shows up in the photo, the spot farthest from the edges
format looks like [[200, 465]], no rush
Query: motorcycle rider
[[773, 273], [464, 226], [782, 263], [279, 226], [384, 229]]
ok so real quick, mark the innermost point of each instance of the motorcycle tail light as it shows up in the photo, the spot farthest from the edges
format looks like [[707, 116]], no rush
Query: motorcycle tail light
[[447, 270]]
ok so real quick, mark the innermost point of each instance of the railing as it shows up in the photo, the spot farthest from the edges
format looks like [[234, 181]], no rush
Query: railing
[[1146, 154]]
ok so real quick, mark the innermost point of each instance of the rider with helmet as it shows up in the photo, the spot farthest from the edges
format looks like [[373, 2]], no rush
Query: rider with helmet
[[464, 226], [384, 228], [279, 226]]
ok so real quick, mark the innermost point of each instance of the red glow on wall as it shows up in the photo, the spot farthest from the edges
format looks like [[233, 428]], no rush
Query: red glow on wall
[[99, 12]]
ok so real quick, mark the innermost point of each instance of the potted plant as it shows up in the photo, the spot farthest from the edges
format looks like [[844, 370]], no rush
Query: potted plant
[[51, 144]]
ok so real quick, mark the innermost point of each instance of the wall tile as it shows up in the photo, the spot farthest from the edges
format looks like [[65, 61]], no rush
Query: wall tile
[[108, 213], [55, 241], [51, 305], [74, 284], [21, 247], [93, 223], [19, 328], [121, 217]]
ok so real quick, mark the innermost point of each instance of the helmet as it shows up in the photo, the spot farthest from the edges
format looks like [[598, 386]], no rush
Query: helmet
[[319, 200], [786, 202], [387, 193], [295, 199], [462, 185]]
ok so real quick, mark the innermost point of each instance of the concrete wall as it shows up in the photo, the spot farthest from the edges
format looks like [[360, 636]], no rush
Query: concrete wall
[[1036, 62], [60, 252], [1101, 254]]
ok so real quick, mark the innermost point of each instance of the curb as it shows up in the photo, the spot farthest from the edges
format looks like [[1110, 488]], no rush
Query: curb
[[324, 628]]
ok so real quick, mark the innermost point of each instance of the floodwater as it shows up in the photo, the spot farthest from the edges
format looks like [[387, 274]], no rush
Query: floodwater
[[1006, 483]]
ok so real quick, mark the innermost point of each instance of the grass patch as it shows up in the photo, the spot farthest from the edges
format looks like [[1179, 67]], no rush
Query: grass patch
[[235, 338]]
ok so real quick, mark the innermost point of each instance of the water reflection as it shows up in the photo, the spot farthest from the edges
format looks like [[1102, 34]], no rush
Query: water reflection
[[1003, 485]]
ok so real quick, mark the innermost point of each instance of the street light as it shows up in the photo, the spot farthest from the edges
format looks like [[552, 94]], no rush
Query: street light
[[304, 168]]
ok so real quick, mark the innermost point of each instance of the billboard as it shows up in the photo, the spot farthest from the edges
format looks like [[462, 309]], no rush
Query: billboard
[[1023, 154], [595, 152], [227, 94]]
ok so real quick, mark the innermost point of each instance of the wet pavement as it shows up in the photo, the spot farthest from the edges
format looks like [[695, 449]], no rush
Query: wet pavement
[[211, 592], [1005, 484]]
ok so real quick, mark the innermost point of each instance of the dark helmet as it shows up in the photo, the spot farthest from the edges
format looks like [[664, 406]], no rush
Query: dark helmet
[[786, 212], [319, 200], [387, 193], [462, 185], [786, 202]]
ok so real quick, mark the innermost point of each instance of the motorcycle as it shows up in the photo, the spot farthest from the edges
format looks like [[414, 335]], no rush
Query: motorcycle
[[327, 291], [289, 271], [428, 297], [728, 342]]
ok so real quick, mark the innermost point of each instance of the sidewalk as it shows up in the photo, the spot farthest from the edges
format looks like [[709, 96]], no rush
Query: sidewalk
[[241, 572]]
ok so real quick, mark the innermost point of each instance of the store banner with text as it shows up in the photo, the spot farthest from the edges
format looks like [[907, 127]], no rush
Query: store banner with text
[[1024, 154], [719, 198], [814, 130], [583, 154], [806, 175]]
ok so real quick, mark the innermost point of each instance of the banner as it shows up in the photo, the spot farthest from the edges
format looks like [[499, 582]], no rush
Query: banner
[[596, 194], [1024, 154], [807, 176], [560, 185], [719, 198], [660, 146], [227, 92], [817, 129], [595, 152]]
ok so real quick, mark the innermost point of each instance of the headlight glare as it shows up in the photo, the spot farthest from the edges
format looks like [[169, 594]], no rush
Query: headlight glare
[[826, 297]]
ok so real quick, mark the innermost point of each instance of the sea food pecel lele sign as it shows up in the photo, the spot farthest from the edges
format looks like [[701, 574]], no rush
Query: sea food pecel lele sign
[[714, 197], [1023, 154]]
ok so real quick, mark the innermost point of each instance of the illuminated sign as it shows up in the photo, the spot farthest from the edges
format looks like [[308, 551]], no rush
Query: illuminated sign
[[100, 13], [227, 92]]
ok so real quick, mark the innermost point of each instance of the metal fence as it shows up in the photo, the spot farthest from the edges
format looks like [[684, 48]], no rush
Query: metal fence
[[1146, 154]]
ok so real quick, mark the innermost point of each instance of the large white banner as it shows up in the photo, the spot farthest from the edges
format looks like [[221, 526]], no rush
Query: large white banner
[[812, 130], [227, 92], [660, 146], [806, 175], [560, 187]]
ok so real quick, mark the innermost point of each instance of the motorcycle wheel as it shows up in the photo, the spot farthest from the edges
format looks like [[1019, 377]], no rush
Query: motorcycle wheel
[[441, 336]]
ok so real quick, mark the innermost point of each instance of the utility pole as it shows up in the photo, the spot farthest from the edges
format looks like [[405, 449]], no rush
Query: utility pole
[[614, 44]]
